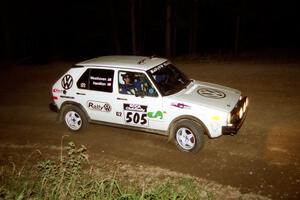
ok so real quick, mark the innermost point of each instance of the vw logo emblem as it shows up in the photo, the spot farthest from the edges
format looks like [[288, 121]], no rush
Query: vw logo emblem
[[67, 82], [107, 107], [211, 93]]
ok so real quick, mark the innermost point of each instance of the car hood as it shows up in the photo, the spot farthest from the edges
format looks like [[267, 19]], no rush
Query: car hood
[[209, 95]]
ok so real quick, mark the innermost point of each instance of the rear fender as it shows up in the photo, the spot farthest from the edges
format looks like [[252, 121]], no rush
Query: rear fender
[[60, 113]]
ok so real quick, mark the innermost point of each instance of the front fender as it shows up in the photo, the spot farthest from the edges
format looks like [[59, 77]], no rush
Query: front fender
[[171, 130]]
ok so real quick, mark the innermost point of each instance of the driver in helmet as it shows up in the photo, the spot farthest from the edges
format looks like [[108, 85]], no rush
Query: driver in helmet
[[130, 86]]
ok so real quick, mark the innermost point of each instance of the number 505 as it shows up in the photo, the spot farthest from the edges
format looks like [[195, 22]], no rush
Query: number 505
[[136, 118]]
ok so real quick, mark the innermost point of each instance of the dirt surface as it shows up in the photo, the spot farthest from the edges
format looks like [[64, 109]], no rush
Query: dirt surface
[[262, 158]]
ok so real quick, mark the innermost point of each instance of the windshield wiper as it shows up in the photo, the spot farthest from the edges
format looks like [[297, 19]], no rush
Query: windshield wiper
[[188, 83]]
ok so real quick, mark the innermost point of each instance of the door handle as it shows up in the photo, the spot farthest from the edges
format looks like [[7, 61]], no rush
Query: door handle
[[80, 93], [122, 99]]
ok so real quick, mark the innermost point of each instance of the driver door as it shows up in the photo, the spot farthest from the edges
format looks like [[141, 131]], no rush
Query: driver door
[[138, 102]]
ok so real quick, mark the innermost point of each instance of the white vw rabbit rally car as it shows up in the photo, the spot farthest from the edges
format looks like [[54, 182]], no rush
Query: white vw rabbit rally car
[[148, 94]]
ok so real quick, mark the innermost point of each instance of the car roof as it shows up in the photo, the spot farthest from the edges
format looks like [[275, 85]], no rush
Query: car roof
[[126, 62]]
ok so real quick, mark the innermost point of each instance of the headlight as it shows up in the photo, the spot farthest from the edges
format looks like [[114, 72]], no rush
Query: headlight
[[229, 118], [241, 112]]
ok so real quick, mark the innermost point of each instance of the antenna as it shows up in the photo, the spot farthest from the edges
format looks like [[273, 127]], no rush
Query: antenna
[[144, 59], [141, 61]]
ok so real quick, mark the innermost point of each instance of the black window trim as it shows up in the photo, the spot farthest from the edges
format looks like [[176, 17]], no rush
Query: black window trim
[[138, 71], [89, 69]]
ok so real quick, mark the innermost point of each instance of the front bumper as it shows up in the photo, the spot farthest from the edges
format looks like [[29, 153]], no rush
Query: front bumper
[[237, 118]]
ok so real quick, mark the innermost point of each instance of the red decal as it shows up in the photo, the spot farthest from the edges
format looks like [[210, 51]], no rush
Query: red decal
[[55, 90], [181, 105], [54, 98]]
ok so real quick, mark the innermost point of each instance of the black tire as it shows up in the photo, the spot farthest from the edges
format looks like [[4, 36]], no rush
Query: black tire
[[188, 135], [74, 118]]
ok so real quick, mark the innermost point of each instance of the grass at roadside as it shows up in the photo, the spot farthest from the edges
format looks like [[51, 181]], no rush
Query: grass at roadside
[[71, 176]]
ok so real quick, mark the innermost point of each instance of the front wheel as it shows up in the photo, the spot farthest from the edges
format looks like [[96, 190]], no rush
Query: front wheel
[[188, 136]]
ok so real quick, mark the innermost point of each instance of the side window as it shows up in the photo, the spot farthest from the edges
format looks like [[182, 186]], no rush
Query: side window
[[101, 80], [97, 79], [135, 83], [83, 82]]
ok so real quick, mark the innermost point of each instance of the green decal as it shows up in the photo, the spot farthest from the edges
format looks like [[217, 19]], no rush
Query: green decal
[[158, 114]]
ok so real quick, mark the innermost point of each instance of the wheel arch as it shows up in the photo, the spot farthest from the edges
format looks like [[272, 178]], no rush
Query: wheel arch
[[60, 115], [184, 117]]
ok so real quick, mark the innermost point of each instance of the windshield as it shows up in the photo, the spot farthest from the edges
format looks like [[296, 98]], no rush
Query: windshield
[[168, 78]]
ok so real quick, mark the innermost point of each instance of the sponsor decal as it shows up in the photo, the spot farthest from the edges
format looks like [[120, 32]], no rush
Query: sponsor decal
[[215, 118], [135, 114], [211, 93], [181, 105], [158, 114], [135, 107], [67, 82], [99, 106], [119, 114], [155, 69], [55, 90], [159, 67]]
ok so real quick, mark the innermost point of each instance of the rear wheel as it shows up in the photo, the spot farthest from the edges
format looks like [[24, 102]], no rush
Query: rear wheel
[[188, 136], [74, 118]]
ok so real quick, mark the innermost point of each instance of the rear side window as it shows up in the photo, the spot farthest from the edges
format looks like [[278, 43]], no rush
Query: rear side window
[[97, 79]]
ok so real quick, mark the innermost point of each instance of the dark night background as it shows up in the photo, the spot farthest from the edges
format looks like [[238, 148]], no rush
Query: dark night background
[[40, 40], [45, 30]]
